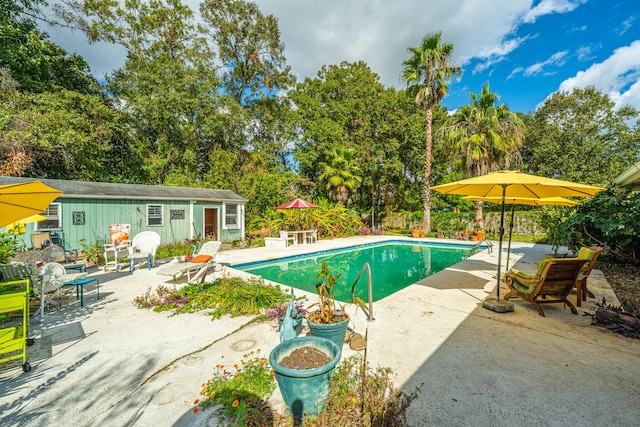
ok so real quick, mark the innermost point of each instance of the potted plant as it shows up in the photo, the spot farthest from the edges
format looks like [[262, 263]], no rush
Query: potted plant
[[330, 319], [302, 367], [417, 233], [478, 231]]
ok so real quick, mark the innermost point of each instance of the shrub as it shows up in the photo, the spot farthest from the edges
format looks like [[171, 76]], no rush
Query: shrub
[[242, 392], [8, 247], [361, 396], [610, 219], [180, 248], [232, 296]]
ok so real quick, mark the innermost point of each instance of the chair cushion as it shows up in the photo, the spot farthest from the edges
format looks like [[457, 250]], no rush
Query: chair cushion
[[201, 258]]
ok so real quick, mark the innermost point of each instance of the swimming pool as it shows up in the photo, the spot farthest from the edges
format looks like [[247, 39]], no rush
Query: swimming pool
[[394, 265]]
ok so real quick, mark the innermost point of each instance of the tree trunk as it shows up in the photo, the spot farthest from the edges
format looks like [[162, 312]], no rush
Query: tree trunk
[[479, 218], [426, 219]]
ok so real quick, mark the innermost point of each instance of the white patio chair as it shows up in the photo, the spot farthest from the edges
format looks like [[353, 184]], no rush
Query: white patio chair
[[115, 255], [311, 236], [290, 237], [143, 249]]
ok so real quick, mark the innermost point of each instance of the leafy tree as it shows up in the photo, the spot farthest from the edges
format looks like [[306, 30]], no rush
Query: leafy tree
[[427, 73], [168, 85], [34, 62], [346, 106], [610, 219], [486, 136], [249, 48], [63, 135], [578, 136], [341, 174]]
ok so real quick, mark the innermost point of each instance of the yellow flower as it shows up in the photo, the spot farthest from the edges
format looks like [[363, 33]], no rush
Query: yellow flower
[[235, 403], [354, 400], [212, 395], [233, 393]]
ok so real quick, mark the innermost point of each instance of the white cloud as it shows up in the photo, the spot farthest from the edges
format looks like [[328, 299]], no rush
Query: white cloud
[[543, 67], [557, 59], [379, 32], [618, 76], [547, 7], [627, 25]]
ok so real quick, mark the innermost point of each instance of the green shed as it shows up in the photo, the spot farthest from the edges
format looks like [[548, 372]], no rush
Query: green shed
[[86, 210]]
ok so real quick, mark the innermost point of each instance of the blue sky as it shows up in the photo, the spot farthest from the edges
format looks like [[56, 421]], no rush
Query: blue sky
[[525, 49]]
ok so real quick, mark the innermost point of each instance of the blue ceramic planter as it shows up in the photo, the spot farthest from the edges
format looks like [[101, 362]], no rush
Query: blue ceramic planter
[[332, 331], [304, 390]]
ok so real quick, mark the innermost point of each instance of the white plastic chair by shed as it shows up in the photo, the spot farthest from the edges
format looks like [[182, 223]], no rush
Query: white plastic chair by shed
[[143, 249], [198, 266]]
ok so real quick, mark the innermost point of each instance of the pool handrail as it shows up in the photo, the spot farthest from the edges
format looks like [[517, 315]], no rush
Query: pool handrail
[[368, 311], [478, 244]]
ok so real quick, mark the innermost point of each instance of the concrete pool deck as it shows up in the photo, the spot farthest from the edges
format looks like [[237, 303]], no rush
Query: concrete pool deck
[[111, 364]]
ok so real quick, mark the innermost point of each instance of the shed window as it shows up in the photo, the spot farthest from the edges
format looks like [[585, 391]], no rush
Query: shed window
[[231, 216], [155, 215], [54, 218]]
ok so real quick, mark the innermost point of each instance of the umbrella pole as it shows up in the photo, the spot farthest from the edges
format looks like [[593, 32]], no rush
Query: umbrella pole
[[513, 207], [504, 190]]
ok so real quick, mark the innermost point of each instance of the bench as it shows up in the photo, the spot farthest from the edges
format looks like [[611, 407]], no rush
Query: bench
[[79, 284], [275, 242]]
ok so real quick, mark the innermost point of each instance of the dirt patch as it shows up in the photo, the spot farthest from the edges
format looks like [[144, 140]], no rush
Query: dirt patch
[[624, 279], [305, 358]]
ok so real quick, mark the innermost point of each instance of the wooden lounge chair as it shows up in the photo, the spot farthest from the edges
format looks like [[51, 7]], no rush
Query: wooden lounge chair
[[592, 253], [553, 281]]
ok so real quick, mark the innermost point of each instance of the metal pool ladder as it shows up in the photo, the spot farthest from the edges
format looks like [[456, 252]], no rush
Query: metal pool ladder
[[368, 310], [478, 244]]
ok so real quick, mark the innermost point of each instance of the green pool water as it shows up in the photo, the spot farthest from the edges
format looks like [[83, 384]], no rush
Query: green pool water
[[394, 266]]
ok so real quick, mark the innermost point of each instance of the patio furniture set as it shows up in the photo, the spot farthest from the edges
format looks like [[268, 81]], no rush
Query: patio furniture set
[[554, 280]]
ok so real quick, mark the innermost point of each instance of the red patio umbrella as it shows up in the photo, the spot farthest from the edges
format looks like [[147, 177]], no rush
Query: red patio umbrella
[[297, 204]]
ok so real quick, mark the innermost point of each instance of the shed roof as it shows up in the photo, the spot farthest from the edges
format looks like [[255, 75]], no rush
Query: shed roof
[[106, 190]]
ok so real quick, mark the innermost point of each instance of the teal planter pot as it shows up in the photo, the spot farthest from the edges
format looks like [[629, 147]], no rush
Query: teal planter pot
[[332, 331], [304, 390]]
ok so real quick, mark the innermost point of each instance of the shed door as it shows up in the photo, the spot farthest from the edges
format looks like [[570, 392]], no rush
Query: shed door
[[211, 222]]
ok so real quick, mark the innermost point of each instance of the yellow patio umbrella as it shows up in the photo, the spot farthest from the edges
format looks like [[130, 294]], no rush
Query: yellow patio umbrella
[[514, 184], [18, 227], [513, 201], [18, 201]]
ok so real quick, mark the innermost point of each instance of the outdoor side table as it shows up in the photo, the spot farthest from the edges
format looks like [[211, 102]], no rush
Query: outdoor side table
[[82, 267], [79, 284]]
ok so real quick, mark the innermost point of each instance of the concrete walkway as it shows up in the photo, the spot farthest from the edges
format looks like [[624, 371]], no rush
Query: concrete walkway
[[111, 364]]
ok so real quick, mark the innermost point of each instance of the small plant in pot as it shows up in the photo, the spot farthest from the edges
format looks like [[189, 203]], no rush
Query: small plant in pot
[[330, 319]]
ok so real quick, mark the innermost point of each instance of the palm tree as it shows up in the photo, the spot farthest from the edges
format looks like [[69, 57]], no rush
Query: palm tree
[[427, 73], [341, 174], [487, 136]]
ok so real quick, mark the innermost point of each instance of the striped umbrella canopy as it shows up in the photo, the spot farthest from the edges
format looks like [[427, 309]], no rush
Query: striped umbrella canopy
[[298, 204]]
